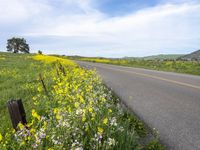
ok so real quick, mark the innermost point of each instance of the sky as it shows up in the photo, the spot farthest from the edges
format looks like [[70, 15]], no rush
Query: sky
[[108, 28]]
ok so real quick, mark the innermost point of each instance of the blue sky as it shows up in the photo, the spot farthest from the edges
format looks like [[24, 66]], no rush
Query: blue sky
[[110, 28], [123, 7]]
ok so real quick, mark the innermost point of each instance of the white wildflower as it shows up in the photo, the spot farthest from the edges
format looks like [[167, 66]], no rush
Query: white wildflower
[[98, 137], [76, 146], [113, 122], [79, 112], [121, 129], [111, 142]]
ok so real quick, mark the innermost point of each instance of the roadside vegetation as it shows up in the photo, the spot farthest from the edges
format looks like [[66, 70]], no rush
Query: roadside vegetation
[[188, 67], [72, 109]]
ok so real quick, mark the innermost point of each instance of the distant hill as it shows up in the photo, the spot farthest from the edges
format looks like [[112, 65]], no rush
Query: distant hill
[[193, 56], [157, 57], [163, 57]]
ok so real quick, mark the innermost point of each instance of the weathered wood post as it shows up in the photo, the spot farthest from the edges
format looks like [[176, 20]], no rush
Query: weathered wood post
[[43, 84], [17, 112], [62, 69]]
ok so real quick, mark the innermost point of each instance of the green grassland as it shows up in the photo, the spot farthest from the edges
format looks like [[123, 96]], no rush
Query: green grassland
[[18, 78], [188, 67], [74, 109]]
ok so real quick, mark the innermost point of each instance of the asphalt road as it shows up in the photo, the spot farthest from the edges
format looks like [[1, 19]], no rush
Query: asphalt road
[[169, 102]]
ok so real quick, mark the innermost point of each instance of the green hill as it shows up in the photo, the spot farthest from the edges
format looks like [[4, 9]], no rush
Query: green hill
[[157, 57], [163, 57], [192, 56]]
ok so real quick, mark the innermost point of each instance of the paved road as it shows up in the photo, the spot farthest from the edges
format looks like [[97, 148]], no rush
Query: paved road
[[169, 102]]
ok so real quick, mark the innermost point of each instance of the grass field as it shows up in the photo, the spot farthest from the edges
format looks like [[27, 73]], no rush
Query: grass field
[[74, 110], [188, 67]]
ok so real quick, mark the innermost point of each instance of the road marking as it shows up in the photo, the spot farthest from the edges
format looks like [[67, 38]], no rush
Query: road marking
[[156, 77]]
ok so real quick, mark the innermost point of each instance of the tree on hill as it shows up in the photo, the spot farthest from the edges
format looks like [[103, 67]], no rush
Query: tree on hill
[[39, 52], [16, 45]]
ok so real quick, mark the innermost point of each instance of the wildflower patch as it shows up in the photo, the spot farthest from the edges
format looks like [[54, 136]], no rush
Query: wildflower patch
[[78, 112]]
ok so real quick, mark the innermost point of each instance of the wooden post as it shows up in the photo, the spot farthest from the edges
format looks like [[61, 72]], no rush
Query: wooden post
[[17, 113], [43, 84], [62, 69]]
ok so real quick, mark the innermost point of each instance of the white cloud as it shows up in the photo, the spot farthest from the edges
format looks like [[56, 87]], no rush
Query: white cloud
[[19, 10], [167, 26]]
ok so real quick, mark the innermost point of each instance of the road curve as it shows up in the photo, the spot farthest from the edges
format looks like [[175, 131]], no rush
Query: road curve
[[169, 102]]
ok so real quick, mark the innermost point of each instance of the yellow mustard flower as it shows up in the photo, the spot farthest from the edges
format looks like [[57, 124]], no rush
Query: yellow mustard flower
[[105, 121], [52, 59], [20, 125], [90, 109], [45, 124], [83, 118], [76, 104], [58, 117], [35, 115], [81, 99], [30, 124], [100, 130], [22, 143], [1, 137], [32, 130], [55, 110]]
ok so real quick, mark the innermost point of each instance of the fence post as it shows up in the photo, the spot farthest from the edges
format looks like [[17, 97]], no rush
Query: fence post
[[17, 112], [43, 84]]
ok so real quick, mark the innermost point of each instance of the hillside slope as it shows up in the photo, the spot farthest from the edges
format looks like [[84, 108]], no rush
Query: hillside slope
[[192, 56], [157, 57], [163, 57]]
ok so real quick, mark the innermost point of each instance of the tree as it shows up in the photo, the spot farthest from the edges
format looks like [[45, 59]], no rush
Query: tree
[[39, 52], [17, 45]]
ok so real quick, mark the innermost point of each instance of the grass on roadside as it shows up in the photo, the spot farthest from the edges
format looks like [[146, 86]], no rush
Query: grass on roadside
[[74, 110], [188, 67]]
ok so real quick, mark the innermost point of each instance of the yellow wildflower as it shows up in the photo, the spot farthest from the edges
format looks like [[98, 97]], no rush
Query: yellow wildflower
[[22, 143], [35, 115], [21, 126], [55, 110], [103, 100], [76, 104], [83, 118], [90, 109], [45, 124], [39, 89], [91, 102], [81, 99], [30, 124], [51, 59], [84, 110], [1, 137], [69, 110], [58, 117], [100, 130], [32, 130], [105, 121]]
